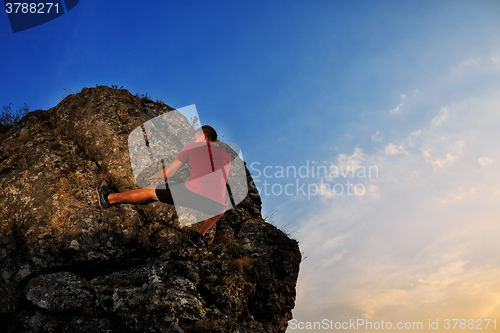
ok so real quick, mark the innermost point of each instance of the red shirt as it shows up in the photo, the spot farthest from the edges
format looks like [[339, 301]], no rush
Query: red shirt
[[209, 167]]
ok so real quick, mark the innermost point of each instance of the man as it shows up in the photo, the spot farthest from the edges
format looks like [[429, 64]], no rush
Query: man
[[204, 191]]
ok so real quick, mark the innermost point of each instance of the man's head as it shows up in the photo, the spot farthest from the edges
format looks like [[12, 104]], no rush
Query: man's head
[[206, 133]]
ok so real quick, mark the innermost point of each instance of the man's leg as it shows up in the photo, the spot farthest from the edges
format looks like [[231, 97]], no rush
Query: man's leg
[[133, 196], [198, 239], [209, 223]]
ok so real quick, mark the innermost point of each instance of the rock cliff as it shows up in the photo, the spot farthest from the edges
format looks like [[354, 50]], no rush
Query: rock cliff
[[68, 266]]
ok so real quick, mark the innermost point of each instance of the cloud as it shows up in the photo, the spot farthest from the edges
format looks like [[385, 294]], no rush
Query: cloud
[[438, 120], [465, 66], [450, 158], [483, 161], [458, 195], [433, 283], [470, 62], [377, 137], [413, 136], [416, 133], [397, 109], [370, 305], [350, 161], [392, 149], [325, 191], [372, 191], [327, 262]]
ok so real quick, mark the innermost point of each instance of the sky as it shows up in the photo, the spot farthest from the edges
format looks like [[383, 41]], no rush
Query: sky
[[370, 128]]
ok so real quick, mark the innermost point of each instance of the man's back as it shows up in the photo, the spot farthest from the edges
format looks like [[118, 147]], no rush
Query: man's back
[[209, 167]]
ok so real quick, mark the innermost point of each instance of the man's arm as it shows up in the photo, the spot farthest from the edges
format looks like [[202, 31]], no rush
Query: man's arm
[[169, 171]]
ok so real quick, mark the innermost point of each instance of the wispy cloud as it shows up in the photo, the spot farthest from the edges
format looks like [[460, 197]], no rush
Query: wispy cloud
[[370, 305], [450, 158], [483, 161], [472, 62], [459, 195], [416, 133], [348, 162], [392, 149], [399, 107], [377, 137], [442, 117]]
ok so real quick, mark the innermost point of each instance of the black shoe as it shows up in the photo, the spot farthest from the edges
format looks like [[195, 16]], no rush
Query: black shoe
[[103, 190], [197, 240]]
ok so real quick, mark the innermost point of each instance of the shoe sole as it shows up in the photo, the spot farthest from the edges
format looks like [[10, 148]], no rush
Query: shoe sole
[[199, 247], [193, 243], [99, 196]]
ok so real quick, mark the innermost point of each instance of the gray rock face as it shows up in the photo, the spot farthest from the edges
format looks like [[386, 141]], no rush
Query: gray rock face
[[59, 292], [68, 266]]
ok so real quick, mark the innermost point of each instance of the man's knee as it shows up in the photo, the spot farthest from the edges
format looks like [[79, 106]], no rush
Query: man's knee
[[152, 193]]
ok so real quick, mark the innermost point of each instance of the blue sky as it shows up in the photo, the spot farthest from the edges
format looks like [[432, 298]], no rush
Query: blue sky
[[411, 87]]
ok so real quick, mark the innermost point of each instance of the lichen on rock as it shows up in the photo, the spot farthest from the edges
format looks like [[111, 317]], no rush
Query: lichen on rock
[[68, 266]]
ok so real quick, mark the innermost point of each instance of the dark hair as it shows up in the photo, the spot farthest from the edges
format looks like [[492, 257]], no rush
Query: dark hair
[[209, 132]]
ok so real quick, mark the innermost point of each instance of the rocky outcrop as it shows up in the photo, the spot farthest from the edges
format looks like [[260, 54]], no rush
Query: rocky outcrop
[[68, 266]]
